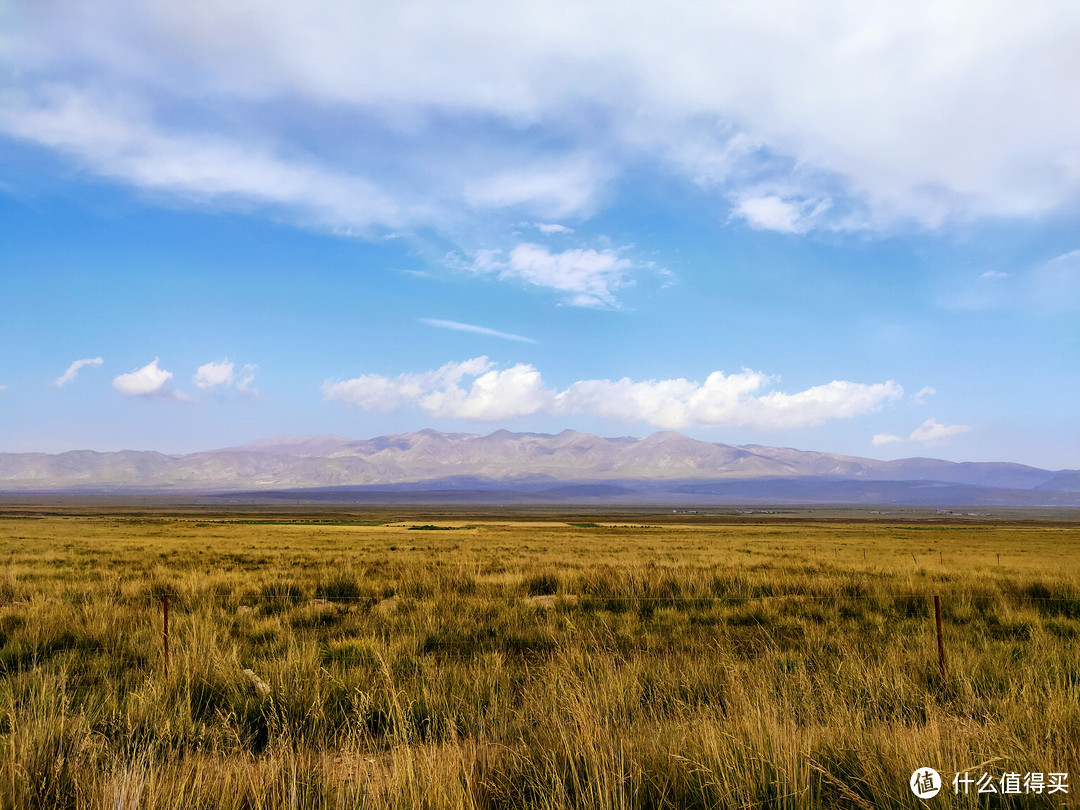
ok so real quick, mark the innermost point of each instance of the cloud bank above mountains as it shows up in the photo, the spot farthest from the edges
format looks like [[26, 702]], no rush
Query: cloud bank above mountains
[[476, 390]]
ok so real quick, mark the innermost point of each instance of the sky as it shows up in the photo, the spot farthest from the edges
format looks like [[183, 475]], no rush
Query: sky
[[842, 226]]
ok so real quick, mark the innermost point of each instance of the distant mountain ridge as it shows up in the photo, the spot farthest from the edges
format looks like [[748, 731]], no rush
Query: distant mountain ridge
[[569, 462]]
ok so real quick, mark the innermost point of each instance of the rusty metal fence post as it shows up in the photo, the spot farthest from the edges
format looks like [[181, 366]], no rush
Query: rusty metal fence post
[[165, 634], [940, 638]]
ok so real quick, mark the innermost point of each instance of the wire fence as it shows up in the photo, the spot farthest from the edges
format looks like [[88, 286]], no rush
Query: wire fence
[[912, 605]]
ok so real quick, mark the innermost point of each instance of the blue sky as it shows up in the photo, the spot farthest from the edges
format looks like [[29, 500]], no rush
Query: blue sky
[[842, 227]]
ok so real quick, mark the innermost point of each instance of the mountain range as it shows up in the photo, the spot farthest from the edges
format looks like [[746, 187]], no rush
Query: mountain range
[[569, 466]]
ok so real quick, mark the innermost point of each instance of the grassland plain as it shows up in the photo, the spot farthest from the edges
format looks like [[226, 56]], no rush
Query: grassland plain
[[399, 661]]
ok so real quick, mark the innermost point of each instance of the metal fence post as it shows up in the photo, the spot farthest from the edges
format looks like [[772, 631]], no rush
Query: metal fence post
[[165, 634], [940, 638]]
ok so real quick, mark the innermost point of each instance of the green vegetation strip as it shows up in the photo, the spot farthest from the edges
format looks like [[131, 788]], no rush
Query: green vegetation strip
[[288, 522]]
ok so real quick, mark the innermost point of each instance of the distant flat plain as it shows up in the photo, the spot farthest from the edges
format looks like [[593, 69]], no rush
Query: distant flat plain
[[533, 658]]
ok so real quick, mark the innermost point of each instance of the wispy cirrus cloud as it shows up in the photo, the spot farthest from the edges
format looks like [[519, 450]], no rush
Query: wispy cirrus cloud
[[74, 368], [476, 389], [124, 143], [246, 380], [586, 277], [456, 326], [549, 228], [1056, 284], [772, 212], [1052, 286], [920, 396], [559, 188]]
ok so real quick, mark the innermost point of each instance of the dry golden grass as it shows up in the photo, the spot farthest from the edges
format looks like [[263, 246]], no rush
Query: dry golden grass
[[491, 663]]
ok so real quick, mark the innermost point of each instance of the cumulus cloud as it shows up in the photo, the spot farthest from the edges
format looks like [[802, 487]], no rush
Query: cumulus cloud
[[222, 374], [735, 400], [214, 374], [145, 381], [929, 432], [492, 394], [910, 112], [476, 330], [590, 278], [723, 401], [73, 370]]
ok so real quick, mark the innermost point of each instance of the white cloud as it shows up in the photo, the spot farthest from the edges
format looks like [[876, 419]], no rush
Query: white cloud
[[1056, 285], [247, 377], [150, 379], [911, 112], [1070, 259], [122, 144], [550, 228], [565, 188], [73, 369], [222, 374], [377, 392], [929, 432], [723, 401], [1047, 288], [517, 391], [885, 438], [590, 278], [477, 330], [735, 400], [771, 213], [922, 394], [213, 374]]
